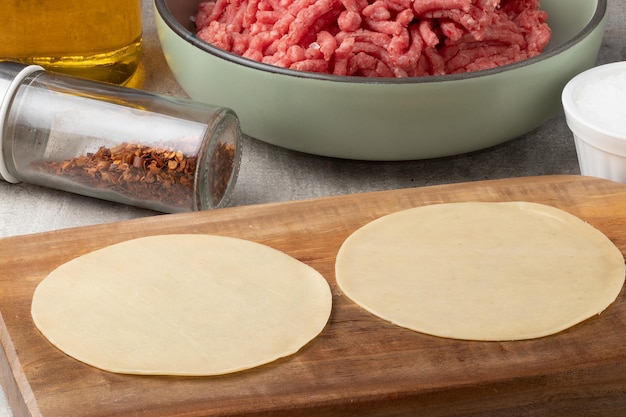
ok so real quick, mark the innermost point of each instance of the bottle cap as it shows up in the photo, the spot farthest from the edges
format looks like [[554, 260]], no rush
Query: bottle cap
[[11, 76]]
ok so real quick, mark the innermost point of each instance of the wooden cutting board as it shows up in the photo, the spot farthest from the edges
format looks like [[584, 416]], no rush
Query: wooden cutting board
[[359, 365]]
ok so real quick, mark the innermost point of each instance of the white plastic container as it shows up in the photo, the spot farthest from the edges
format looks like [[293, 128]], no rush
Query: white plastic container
[[595, 110]]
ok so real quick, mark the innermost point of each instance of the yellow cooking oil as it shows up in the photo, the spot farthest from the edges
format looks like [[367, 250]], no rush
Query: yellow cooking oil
[[95, 39]]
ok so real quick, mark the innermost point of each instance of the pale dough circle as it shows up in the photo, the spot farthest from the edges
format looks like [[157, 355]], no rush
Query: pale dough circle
[[481, 271], [185, 304]]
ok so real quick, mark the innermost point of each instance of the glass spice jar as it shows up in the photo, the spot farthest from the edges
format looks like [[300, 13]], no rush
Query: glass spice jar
[[95, 39], [115, 143]]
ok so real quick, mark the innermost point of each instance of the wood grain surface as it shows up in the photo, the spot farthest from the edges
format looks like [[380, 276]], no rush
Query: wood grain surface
[[359, 365]]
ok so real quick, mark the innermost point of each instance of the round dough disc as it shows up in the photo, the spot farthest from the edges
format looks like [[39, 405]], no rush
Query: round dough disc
[[181, 305], [481, 271]]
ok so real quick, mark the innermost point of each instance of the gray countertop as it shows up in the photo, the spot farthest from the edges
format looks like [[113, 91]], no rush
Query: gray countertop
[[270, 174]]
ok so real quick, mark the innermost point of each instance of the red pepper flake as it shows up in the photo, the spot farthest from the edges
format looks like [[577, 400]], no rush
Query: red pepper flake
[[141, 172]]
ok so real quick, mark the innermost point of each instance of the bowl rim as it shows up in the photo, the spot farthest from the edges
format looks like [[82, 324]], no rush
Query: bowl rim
[[191, 38]]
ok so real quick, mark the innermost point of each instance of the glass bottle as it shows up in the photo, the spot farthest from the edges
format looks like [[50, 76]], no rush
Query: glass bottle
[[94, 39], [115, 143]]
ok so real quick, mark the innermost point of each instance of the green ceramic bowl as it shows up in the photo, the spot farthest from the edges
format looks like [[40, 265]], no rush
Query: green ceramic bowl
[[385, 119]]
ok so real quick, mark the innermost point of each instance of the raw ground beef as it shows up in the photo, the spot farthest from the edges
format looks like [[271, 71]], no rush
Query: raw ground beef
[[377, 38]]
